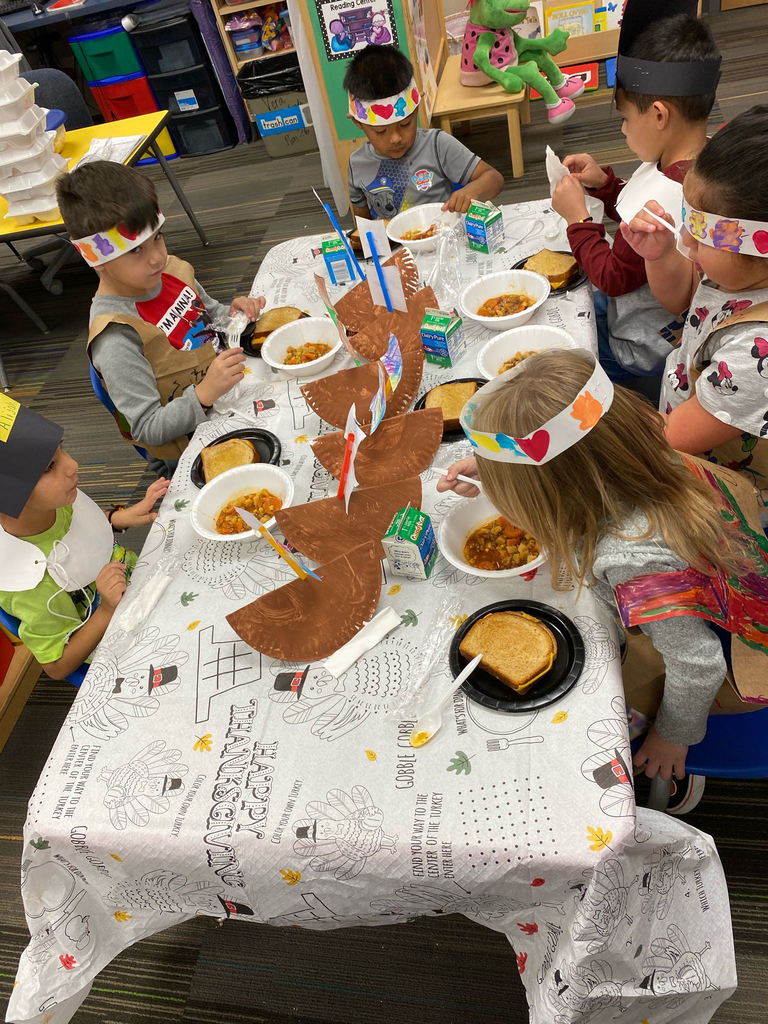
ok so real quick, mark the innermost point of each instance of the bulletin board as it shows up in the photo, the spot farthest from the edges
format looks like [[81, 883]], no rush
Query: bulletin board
[[356, 17]]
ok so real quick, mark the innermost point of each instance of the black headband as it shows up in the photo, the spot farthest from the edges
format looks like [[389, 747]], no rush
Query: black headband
[[668, 78]]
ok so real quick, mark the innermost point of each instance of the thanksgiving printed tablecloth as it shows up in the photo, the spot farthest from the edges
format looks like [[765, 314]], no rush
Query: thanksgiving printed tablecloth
[[195, 776]]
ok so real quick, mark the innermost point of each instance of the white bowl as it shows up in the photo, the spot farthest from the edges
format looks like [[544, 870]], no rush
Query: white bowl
[[296, 333], [228, 487], [531, 338], [514, 282], [463, 519], [420, 217]]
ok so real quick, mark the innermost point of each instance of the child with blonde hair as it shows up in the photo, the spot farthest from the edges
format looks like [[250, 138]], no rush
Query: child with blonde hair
[[588, 472]]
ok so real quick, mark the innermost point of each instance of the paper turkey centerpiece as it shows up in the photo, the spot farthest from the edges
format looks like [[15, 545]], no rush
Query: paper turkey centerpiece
[[372, 341], [356, 309], [330, 397], [308, 620], [322, 529], [401, 447]]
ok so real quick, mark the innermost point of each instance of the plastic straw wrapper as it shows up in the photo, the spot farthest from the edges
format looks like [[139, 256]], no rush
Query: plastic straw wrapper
[[228, 330], [433, 649]]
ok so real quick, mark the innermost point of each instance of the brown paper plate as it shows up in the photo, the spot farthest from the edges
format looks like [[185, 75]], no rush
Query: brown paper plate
[[308, 620], [372, 341], [401, 447], [356, 309], [330, 397], [322, 530]]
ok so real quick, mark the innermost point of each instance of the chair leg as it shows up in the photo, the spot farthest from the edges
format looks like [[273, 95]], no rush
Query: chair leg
[[515, 141], [158, 154], [445, 124], [525, 112], [660, 793], [66, 252]]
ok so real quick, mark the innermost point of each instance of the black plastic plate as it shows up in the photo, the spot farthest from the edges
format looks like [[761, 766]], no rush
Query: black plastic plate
[[266, 444], [562, 677], [579, 280], [458, 434]]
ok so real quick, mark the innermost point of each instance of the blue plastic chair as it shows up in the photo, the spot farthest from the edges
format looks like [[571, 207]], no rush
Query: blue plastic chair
[[103, 396], [735, 747], [11, 623]]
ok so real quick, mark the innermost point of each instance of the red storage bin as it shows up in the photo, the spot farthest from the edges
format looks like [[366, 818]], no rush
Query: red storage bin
[[124, 96]]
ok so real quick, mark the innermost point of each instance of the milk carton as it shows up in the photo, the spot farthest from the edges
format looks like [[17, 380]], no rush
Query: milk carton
[[442, 336], [485, 227], [410, 544]]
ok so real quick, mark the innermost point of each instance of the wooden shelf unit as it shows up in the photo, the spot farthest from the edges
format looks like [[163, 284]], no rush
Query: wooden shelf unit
[[221, 12]]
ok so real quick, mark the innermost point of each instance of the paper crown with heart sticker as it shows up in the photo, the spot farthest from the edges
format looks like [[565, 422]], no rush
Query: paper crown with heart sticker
[[387, 111], [748, 237], [552, 438], [108, 245]]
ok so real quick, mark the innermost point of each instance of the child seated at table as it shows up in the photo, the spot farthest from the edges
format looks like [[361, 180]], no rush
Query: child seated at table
[[588, 472], [666, 132], [402, 165], [151, 335], [66, 598], [714, 390]]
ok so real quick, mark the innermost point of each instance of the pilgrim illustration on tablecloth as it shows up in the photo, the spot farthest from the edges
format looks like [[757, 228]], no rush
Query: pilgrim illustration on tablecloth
[[143, 785], [660, 872], [581, 992], [675, 969], [341, 833], [601, 907], [600, 651], [122, 686]]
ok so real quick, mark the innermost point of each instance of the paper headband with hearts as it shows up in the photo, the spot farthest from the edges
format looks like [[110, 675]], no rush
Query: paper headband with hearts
[[108, 245], [552, 438], [386, 111], [748, 237]]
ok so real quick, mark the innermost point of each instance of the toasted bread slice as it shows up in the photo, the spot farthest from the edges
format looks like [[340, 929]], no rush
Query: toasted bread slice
[[517, 648], [218, 458], [558, 268], [272, 319], [451, 398]]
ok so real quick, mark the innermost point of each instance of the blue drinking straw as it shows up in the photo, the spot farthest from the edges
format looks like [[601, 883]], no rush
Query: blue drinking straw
[[341, 235], [379, 271]]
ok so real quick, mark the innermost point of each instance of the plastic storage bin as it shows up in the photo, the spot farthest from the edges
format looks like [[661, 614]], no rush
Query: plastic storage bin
[[206, 131], [185, 91], [108, 53], [124, 96], [170, 46]]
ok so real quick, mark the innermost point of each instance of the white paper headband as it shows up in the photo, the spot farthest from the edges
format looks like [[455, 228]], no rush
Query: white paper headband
[[748, 237], [108, 245], [386, 111], [552, 438]]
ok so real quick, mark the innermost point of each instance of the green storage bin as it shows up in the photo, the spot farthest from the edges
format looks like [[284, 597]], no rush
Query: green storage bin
[[108, 53]]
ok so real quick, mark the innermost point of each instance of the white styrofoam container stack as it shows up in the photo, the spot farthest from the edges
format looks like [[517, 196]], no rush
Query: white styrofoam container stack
[[28, 165]]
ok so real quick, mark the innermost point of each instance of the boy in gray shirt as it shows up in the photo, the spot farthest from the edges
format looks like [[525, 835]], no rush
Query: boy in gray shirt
[[151, 334], [402, 165]]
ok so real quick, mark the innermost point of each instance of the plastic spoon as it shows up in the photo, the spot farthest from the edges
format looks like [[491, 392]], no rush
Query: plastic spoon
[[432, 720], [439, 471]]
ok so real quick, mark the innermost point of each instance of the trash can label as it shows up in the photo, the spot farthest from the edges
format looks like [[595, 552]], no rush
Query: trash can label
[[278, 121]]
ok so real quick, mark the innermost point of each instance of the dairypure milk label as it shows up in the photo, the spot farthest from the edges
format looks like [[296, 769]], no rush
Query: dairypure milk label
[[442, 337], [485, 227], [410, 544]]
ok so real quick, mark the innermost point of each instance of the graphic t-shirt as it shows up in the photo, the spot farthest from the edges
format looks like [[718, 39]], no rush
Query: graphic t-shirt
[[179, 312], [733, 385], [48, 614], [426, 174]]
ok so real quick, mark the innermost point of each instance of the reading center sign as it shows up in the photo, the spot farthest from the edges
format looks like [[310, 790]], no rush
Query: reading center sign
[[349, 25]]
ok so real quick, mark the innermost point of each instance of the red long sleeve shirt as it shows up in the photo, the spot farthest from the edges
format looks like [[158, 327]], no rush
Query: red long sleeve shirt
[[614, 270]]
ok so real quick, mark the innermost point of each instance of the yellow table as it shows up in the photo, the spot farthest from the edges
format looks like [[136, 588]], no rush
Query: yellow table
[[76, 146], [459, 102]]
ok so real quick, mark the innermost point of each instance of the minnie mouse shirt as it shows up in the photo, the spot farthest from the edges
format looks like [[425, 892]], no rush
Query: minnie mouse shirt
[[733, 363]]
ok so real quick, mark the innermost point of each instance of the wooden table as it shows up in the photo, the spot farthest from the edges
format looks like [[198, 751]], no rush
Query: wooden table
[[457, 102]]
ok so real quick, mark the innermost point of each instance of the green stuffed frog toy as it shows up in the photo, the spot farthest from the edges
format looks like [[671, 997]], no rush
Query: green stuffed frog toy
[[492, 50]]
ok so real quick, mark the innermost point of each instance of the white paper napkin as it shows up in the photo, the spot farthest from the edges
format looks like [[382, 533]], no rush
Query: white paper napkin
[[371, 633]]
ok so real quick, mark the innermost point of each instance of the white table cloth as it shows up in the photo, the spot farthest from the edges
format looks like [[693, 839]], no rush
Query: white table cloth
[[194, 775]]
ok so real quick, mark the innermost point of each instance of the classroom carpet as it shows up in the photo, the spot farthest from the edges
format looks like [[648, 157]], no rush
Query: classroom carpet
[[434, 970]]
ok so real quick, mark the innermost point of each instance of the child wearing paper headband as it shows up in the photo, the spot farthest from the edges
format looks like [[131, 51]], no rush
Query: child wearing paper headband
[[402, 165], [150, 338], [587, 471], [715, 390], [62, 574]]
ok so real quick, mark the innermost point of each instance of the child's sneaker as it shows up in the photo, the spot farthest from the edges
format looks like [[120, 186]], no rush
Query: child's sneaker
[[686, 794], [561, 111], [572, 86]]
